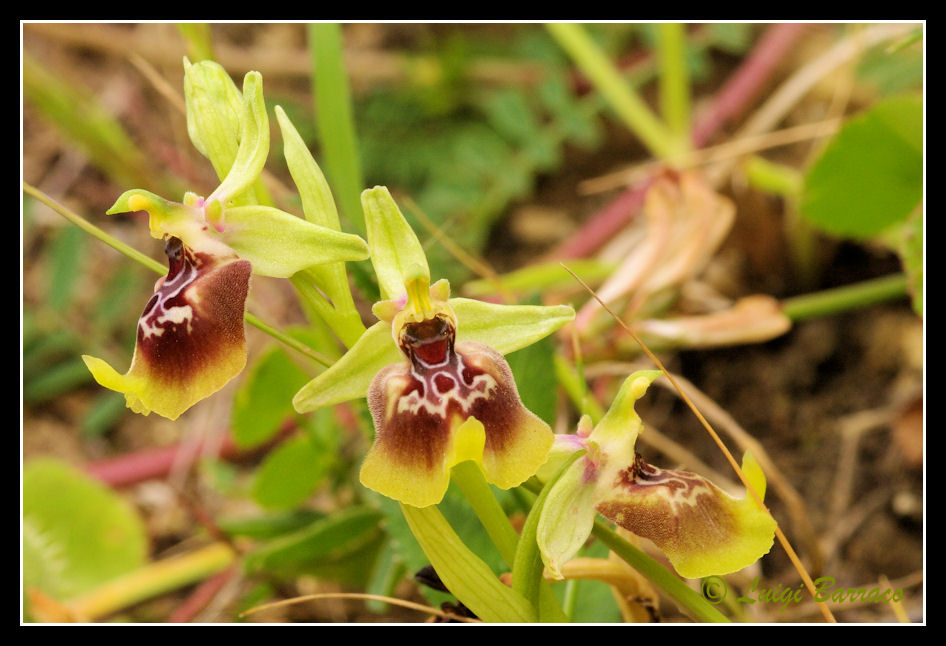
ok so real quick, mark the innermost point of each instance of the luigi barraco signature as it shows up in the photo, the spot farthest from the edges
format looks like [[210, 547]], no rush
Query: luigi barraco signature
[[714, 589]]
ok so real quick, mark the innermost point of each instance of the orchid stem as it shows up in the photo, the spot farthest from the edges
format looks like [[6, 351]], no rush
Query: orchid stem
[[158, 268], [679, 591], [470, 479]]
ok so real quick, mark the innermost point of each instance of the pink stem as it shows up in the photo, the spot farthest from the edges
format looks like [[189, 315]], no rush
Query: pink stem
[[148, 464], [201, 597], [748, 81]]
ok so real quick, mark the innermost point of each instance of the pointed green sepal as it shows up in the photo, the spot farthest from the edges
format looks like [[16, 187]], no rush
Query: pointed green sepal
[[317, 202], [349, 377], [280, 244], [396, 253], [507, 328]]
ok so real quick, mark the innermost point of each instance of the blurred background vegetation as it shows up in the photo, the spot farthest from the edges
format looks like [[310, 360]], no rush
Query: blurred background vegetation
[[492, 141]]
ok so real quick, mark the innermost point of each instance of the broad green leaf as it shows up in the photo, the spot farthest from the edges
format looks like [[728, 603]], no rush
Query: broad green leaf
[[263, 402], [332, 539], [290, 473], [870, 176], [534, 371], [77, 533]]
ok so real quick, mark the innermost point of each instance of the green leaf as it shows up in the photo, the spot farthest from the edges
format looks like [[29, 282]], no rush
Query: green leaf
[[534, 370], [541, 277], [870, 176], [893, 72], [290, 473], [77, 533], [106, 409], [334, 539], [268, 525], [263, 402]]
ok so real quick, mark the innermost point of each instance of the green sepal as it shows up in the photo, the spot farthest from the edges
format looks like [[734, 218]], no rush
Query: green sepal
[[349, 377], [568, 516], [467, 577], [396, 253], [338, 310], [505, 328], [280, 244], [317, 202], [527, 565], [214, 105]]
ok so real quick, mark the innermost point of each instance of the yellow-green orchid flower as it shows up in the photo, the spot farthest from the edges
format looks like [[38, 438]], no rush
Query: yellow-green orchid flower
[[700, 528], [190, 336], [432, 368]]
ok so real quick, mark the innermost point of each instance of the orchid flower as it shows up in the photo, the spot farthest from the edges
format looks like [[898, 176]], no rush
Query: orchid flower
[[700, 528], [438, 387], [190, 339]]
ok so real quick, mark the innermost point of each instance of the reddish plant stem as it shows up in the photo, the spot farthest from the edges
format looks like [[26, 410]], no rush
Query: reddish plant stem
[[148, 464], [201, 597], [604, 224], [744, 85], [748, 81]]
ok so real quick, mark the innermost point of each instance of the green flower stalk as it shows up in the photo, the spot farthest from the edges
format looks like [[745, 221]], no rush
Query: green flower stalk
[[190, 337], [700, 528], [438, 387]]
